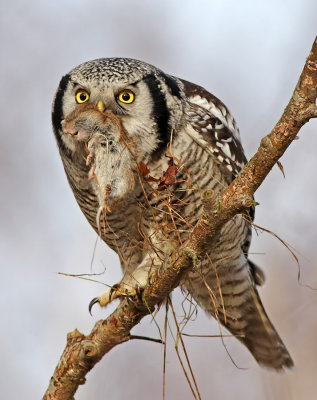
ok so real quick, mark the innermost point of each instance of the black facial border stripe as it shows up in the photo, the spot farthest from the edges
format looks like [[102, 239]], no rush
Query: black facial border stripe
[[172, 85], [160, 110], [57, 113]]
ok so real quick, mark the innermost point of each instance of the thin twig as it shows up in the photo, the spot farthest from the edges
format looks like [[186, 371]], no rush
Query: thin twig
[[179, 335], [164, 359], [147, 338], [211, 336]]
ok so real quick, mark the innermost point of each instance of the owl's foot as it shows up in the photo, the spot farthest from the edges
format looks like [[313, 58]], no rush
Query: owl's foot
[[116, 291], [130, 286]]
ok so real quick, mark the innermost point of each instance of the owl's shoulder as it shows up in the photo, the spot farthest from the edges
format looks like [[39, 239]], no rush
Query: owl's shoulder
[[213, 122], [199, 96], [193, 92]]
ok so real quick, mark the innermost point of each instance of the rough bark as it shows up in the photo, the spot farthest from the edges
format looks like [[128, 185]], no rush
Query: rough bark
[[83, 352]]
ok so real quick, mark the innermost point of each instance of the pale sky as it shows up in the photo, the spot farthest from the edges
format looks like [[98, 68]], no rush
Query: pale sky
[[247, 53]]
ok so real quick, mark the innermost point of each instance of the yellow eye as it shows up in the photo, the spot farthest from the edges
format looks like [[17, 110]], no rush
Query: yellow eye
[[126, 96], [82, 96]]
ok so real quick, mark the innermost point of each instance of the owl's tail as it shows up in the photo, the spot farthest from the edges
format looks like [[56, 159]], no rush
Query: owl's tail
[[261, 338], [238, 307]]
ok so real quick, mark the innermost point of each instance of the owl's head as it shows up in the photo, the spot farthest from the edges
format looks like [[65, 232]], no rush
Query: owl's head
[[149, 103]]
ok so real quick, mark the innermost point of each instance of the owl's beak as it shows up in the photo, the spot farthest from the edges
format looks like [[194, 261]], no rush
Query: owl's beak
[[101, 106]]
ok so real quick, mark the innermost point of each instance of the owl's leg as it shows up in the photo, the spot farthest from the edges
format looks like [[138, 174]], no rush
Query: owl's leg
[[131, 285]]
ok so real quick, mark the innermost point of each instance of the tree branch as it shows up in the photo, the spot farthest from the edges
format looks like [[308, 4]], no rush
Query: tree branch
[[83, 352]]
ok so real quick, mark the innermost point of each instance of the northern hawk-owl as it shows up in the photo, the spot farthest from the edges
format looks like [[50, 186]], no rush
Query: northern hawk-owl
[[139, 148]]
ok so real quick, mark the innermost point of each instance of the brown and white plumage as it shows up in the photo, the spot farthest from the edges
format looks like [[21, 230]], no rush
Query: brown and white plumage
[[139, 147]]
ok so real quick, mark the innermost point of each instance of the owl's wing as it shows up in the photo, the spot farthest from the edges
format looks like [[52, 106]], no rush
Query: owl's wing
[[212, 119], [244, 313]]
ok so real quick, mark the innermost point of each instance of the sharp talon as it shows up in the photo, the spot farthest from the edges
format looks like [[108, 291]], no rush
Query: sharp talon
[[93, 301], [111, 293]]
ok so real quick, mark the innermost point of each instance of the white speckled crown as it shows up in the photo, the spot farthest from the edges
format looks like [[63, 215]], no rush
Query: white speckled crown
[[113, 69]]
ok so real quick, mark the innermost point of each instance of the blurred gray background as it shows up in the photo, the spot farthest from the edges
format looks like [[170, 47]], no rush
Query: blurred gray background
[[249, 54]]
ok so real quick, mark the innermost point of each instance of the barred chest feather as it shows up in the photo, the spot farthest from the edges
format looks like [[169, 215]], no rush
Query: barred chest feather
[[138, 206]]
